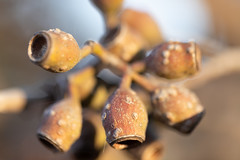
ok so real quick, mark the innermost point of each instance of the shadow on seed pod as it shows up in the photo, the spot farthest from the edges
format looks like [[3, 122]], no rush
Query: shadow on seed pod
[[92, 139], [124, 119], [54, 50], [151, 149], [174, 60], [61, 125], [142, 24], [178, 108], [123, 42]]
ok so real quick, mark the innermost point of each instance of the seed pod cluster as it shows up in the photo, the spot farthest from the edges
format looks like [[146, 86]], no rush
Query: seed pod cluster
[[174, 60], [124, 119], [177, 107]]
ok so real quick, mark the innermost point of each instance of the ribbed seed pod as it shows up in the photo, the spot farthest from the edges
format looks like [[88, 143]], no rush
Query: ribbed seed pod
[[124, 119], [54, 50], [174, 60], [144, 25], [177, 107], [61, 125], [92, 139]]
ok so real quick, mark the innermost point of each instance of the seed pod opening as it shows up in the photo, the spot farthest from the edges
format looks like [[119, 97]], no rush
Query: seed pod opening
[[124, 119], [178, 108], [61, 125], [174, 60], [54, 50]]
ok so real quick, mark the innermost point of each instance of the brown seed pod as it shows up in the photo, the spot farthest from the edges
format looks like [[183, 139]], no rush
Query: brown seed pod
[[92, 139], [110, 10], [174, 59], [177, 107], [124, 119], [144, 25], [123, 42], [54, 50], [108, 6], [61, 125]]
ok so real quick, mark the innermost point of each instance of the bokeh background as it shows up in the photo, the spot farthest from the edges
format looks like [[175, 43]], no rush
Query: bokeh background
[[218, 135]]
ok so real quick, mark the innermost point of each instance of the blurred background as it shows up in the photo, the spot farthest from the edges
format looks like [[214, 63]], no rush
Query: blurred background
[[206, 21]]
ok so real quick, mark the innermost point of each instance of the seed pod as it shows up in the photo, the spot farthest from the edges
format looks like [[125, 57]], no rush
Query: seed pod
[[174, 60], [54, 50], [108, 6], [92, 139], [124, 119], [61, 125], [12, 100], [83, 82], [178, 108], [144, 25], [123, 42]]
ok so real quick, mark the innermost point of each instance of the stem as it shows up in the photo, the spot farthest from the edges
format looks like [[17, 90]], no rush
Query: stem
[[109, 59]]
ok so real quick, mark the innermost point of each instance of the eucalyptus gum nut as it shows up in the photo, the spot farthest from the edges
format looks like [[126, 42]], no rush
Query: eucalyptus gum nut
[[123, 42], [108, 6], [144, 25], [124, 119], [178, 108], [61, 125], [83, 81], [54, 50], [174, 60]]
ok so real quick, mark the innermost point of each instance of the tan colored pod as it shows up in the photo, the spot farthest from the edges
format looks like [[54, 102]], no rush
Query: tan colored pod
[[61, 125], [83, 82], [144, 25], [92, 139], [174, 60], [177, 107], [54, 50], [124, 119], [108, 6], [123, 42]]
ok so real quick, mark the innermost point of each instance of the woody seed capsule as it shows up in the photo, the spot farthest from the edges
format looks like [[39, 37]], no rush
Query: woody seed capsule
[[178, 108], [174, 60], [61, 125], [124, 119]]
